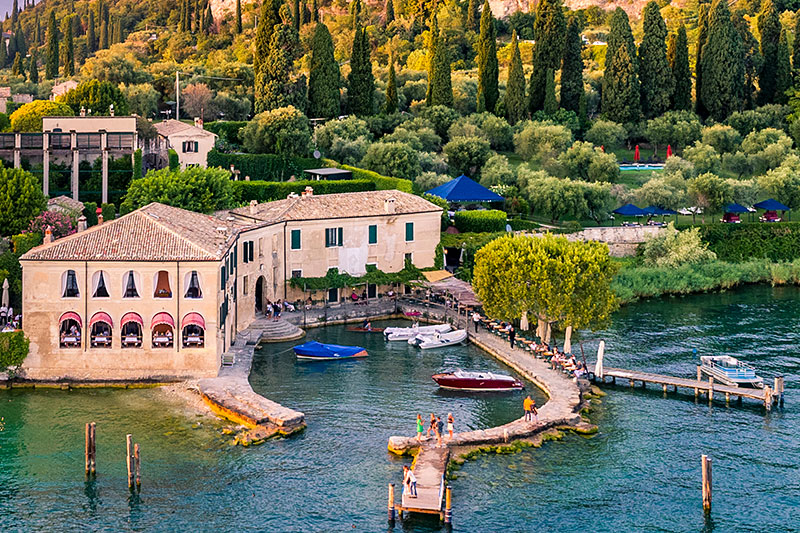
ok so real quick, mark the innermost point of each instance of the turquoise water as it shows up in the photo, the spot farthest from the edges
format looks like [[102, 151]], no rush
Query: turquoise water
[[641, 472]]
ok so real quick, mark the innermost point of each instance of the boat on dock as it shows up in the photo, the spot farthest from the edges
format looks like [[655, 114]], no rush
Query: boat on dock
[[318, 351], [403, 334], [477, 381], [730, 371], [439, 340]]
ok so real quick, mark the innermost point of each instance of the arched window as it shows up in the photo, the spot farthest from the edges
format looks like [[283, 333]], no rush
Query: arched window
[[69, 285], [101, 327], [99, 285], [130, 284], [192, 283], [163, 327], [194, 330], [131, 330], [161, 284], [69, 330]]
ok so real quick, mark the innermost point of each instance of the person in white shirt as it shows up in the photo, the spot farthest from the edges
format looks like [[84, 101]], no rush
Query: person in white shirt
[[476, 319], [410, 481]]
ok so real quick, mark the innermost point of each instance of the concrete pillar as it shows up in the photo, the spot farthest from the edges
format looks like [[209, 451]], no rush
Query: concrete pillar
[[104, 146], [17, 148], [46, 165], [75, 172]]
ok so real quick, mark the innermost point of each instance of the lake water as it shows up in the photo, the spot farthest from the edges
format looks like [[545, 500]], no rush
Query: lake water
[[641, 472]]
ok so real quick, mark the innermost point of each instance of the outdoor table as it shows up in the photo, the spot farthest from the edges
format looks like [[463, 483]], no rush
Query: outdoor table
[[71, 340], [161, 341], [131, 339], [101, 340], [192, 339]]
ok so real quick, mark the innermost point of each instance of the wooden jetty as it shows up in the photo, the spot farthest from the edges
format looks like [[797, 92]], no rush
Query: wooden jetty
[[429, 468]]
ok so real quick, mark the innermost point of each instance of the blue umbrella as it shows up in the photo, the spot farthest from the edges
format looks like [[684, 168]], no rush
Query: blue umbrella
[[630, 210], [655, 210], [463, 189], [771, 205], [736, 208]]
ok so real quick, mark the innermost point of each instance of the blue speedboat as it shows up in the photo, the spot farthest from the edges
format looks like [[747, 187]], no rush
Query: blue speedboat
[[327, 352]]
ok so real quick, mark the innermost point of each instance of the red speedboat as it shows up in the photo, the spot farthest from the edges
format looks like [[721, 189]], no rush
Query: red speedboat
[[476, 381]]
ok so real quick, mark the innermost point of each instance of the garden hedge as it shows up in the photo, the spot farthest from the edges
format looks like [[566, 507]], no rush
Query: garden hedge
[[480, 221], [13, 349], [743, 242], [265, 191], [520, 224]]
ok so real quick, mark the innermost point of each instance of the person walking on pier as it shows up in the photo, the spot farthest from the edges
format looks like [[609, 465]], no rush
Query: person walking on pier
[[420, 427], [527, 404], [409, 482], [534, 411], [512, 335], [439, 431], [476, 319], [431, 426], [450, 422]]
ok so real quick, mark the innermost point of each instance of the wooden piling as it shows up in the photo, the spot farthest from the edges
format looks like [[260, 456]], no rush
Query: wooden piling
[[767, 397], [706, 466], [137, 460], [391, 502], [710, 390], [727, 398], [448, 506], [664, 388], [90, 453], [94, 449], [779, 390], [129, 458], [696, 390]]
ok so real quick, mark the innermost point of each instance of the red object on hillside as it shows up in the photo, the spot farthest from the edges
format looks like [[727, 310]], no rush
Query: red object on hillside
[[636, 154], [603, 148], [669, 150]]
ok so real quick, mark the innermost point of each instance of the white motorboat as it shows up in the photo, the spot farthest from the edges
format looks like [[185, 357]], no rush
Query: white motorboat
[[440, 340], [403, 334], [730, 371]]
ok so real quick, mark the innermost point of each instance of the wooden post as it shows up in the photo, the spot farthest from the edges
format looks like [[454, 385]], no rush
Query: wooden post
[[93, 458], [664, 388], [137, 459], [696, 390], [448, 506], [767, 397], [779, 389], [391, 502], [727, 398], [88, 452], [706, 465], [129, 458], [710, 389]]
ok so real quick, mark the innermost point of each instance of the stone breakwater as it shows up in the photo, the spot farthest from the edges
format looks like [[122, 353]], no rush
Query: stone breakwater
[[562, 408]]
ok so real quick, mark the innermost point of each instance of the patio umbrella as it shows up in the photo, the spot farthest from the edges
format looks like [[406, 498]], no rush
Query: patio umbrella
[[771, 205], [523, 322], [5, 293], [630, 210], [669, 151], [736, 208], [636, 154]]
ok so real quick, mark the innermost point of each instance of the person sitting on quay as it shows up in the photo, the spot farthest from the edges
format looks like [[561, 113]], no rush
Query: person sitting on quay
[[289, 307]]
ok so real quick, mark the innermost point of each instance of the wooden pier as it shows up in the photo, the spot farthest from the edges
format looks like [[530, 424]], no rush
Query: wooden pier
[[429, 468]]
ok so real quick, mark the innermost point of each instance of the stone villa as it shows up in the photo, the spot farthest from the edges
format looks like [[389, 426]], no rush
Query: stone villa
[[161, 292]]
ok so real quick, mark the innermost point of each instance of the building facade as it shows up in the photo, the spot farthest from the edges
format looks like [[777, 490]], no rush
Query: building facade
[[192, 143], [161, 292]]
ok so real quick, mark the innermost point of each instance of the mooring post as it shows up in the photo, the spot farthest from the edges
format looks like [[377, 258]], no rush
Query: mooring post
[[391, 502], [93, 457], [697, 390], [779, 390], [706, 466], [664, 388], [137, 459], [710, 390], [727, 398], [767, 398], [129, 458], [448, 506], [88, 447]]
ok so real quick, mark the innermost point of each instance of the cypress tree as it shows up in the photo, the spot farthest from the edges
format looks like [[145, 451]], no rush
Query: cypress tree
[[67, 50], [678, 55], [104, 28], [356, 6], [769, 26], [323, 77], [51, 67], [655, 74], [433, 36], [297, 14], [14, 13], [702, 37], [723, 71], [388, 12], [277, 88], [783, 75], [360, 80], [181, 20], [752, 60], [442, 92], [515, 104], [16, 67], [33, 75], [391, 89], [91, 39], [548, 51], [37, 30], [314, 11], [267, 21], [621, 91], [208, 20], [19, 38], [572, 68], [488, 71], [473, 16], [12, 47], [238, 16], [3, 57], [550, 105], [796, 44]]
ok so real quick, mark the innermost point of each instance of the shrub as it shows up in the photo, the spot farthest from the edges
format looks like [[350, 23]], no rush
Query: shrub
[[494, 129], [197, 189], [28, 118], [266, 191], [90, 212], [703, 157], [430, 180], [480, 221], [269, 167], [541, 140], [676, 128], [606, 133], [14, 348], [586, 162], [109, 212], [519, 224], [25, 241], [382, 183], [283, 131], [174, 161], [724, 139], [348, 129], [228, 131], [97, 97], [673, 248], [442, 117], [60, 224], [21, 199], [392, 159], [742, 242], [497, 171]]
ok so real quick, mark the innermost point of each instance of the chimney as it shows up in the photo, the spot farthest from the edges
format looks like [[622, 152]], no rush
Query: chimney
[[99, 212], [198, 122], [111, 110], [308, 192], [48, 235], [81, 223], [253, 206], [388, 206], [83, 111]]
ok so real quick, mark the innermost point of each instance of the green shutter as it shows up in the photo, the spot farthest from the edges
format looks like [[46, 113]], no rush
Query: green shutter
[[409, 231], [341, 239], [327, 238], [373, 234], [296, 239]]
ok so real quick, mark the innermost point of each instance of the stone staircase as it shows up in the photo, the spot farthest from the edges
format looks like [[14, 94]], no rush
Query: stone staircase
[[274, 331]]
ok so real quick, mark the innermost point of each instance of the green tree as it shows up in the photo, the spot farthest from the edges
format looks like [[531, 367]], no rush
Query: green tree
[[388, 12], [515, 104], [3, 56], [67, 50], [238, 17], [28, 118], [769, 27], [284, 131], [488, 71], [655, 74], [91, 37], [702, 37], [203, 190], [550, 103], [441, 86], [572, 68], [275, 87], [784, 182], [467, 155], [709, 192], [51, 67], [360, 80], [672, 248], [14, 348], [473, 15], [583, 161], [391, 89], [547, 277], [783, 74], [606, 133], [678, 56], [752, 61], [796, 47], [33, 75], [297, 15], [16, 67], [268, 19], [323, 78], [621, 89], [548, 51], [430, 50], [723, 71], [392, 159], [21, 199], [102, 14], [97, 96]]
